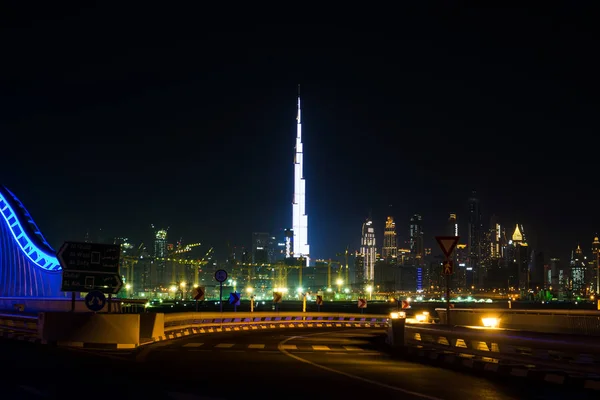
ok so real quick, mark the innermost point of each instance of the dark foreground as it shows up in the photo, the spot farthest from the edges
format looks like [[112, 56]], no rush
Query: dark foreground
[[278, 363]]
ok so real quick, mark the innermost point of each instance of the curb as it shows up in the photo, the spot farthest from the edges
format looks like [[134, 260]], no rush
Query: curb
[[23, 337], [500, 370], [264, 326]]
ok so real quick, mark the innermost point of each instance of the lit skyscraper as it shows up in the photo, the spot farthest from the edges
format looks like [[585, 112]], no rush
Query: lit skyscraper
[[300, 219], [389, 250], [368, 252]]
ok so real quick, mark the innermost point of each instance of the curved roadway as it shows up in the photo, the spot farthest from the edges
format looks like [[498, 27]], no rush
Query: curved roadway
[[269, 364]]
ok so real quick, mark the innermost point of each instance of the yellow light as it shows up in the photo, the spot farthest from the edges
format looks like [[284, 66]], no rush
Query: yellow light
[[182, 284], [173, 288], [369, 288], [249, 290], [420, 317], [398, 315], [490, 322], [339, 282]]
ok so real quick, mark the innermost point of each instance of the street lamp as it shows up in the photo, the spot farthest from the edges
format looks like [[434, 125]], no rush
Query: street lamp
[[339, 283], [370, 291]]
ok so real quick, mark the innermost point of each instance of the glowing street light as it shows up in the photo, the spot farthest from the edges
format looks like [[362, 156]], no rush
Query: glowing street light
[[370, 291]]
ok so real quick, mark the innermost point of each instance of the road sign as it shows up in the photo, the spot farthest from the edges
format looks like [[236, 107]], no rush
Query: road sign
[[447, 244], [86, 281], [95, 300], [234, 298], [221, 275], [90, 266], [405, 304], [277, 297], [448, 267], [319, 300], [362, 303], [198, 293]]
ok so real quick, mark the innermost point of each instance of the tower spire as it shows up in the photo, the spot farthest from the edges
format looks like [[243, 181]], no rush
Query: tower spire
[[299, 217]]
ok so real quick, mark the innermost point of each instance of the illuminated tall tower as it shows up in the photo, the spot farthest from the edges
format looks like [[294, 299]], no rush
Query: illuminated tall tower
[[389, 250], [368, 251], [300, 219]]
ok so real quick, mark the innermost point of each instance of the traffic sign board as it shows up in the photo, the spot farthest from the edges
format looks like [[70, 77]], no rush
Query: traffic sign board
[[405, 304], [447, 244], [362, 303], [98, 257], [448, 267], [234, 298], [90, 266], [277, 297], [86, 281], [319, 300], [95, 300], [221, 275], [198, 293]]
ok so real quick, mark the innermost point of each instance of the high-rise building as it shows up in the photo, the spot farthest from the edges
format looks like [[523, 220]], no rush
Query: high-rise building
[[389, 251], [475, 238], [368, 252], [416, 239], [452, 225], [160, 256], [260, 248], [300, 219]]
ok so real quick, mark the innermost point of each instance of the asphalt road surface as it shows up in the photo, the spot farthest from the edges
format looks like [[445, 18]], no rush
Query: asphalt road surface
[[273, 364]]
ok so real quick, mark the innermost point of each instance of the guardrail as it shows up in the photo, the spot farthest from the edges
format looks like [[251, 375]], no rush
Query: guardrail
[[182, 321], [19, 323], [560, 352], [578, 322]]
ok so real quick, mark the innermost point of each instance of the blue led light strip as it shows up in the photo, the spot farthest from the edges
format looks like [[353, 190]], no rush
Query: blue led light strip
[[39, 257]]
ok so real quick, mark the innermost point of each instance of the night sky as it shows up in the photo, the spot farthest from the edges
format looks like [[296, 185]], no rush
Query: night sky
[[118, 119]]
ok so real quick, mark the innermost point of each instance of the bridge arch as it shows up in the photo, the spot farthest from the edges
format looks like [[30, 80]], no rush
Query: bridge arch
[[28, 264]]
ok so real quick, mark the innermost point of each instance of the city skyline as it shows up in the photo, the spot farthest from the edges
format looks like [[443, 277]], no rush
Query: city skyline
[[129, 134]]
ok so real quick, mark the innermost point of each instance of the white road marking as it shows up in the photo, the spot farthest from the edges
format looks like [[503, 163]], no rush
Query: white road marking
[[348, 375]]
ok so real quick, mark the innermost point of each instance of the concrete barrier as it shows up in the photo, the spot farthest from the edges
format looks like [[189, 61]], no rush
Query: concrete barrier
[[90, 329], [152, 325], [578, 322]]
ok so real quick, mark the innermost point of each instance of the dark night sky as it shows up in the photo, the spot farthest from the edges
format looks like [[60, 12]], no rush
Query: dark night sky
[[117, 120]]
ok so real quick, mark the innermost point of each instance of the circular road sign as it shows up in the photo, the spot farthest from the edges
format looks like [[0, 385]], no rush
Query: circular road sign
[[221, 275], [95, 300]]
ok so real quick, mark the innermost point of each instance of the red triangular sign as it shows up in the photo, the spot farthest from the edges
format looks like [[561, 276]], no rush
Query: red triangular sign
[[447, 243]]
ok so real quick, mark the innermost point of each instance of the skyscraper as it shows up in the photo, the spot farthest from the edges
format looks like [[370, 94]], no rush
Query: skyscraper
[[300, 219], [416, 239], [389, 251], [368, 251], [475, 236]]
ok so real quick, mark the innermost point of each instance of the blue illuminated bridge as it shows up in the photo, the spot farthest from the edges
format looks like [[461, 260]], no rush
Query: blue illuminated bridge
[[28, 264]]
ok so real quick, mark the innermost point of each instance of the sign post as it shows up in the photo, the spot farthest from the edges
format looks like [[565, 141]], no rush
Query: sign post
[[319, 302], [234, 298], [221, 276], [198, 295], [362, 304], [277, 296], [88, 267], [447, 244], [251, 303], [303, 302]]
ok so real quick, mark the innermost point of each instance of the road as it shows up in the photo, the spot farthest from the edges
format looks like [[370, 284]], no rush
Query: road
[[279, 363]]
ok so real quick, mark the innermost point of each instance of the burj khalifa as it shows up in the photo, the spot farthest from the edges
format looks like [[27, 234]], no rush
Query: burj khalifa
[[300, 219]]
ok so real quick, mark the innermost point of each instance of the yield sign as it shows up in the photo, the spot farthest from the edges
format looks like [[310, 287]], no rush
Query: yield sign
[[362, 303], [234, 298], [447, 243]]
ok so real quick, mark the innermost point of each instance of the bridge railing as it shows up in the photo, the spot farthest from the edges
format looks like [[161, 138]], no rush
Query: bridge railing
[[573, 353], [19, 323], [579, 322], [182, 321]]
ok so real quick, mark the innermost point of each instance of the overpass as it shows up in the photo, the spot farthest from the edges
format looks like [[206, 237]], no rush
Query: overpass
[[28, 265]]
